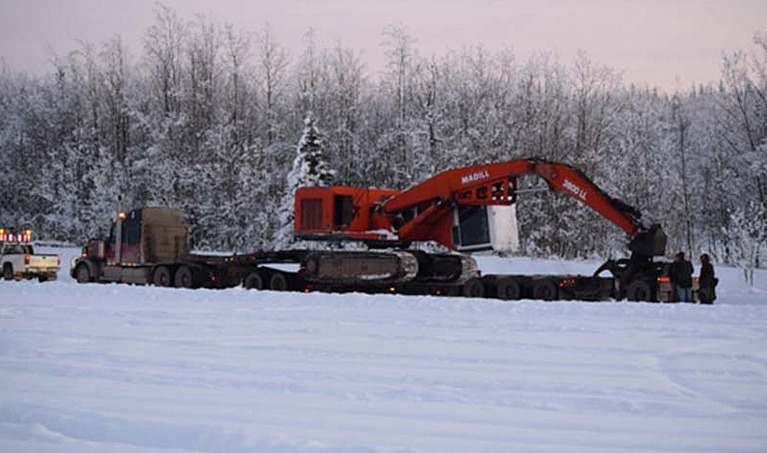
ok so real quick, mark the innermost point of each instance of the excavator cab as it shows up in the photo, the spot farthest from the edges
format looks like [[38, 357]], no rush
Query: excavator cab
[[478, 228]]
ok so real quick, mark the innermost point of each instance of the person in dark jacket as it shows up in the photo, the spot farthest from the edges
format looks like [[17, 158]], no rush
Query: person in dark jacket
[[707, 281], [681, 277]]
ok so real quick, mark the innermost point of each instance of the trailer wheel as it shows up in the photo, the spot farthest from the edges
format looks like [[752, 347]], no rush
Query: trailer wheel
[[253, 281], [8, 271], [82, 273], [161, 276], [508, 289], [544, 289], [473, 288], [278, 282], [185, 278], [639, 291]]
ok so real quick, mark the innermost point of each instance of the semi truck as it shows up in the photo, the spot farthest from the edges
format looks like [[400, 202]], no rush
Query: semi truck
[[463, 209]]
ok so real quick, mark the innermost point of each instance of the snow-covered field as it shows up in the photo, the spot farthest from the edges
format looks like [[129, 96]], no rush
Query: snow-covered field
[[116, 368]]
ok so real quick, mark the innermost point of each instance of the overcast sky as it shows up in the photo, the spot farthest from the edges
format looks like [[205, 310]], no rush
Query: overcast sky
[[665, 43]]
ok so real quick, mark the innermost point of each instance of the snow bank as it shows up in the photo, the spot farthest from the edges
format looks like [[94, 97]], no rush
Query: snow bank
[[93, 368]]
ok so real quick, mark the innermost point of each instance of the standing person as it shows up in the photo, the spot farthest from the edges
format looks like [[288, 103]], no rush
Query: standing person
[[681, 277], [707, 280]]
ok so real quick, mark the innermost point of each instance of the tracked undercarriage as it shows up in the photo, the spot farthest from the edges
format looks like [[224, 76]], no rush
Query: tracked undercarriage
[[387, 266]]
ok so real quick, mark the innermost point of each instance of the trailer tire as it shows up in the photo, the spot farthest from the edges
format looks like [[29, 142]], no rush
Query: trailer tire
[[185, 278], [83, 273], [473, 288], [253, 281], [278, 282], [640, 291], [8, 271], [161, 277], [508, 289], [544, 289]]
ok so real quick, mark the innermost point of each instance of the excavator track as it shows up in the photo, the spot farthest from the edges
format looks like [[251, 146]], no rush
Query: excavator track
[[359, 267], [444, 267], [390, 266]]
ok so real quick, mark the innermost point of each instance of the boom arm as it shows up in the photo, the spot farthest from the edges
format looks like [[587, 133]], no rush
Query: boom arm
[[496, 184]]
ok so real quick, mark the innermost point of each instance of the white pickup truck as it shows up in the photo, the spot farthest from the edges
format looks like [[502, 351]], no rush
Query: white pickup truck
[[19, 261]]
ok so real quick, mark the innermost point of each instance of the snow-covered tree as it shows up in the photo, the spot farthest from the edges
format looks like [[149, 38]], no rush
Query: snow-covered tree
[[204, 117], [748, 234], [310, 169]]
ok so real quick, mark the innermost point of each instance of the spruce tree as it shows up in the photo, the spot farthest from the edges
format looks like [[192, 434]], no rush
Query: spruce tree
[[310, 169]]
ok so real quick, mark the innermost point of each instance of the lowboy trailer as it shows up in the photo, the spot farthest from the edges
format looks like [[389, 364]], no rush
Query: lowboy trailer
[[153, 250]]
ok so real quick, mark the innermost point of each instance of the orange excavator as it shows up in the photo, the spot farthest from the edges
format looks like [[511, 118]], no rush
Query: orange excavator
[[455, 209]]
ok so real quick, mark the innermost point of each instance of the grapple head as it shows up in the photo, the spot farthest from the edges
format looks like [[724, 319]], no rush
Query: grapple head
[[649, 243]]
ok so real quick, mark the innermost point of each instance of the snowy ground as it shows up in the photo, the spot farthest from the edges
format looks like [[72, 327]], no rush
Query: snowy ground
[[115, 368]]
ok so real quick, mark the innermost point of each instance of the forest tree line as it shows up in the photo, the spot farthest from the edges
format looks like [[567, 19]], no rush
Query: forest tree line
[[207, 118]]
